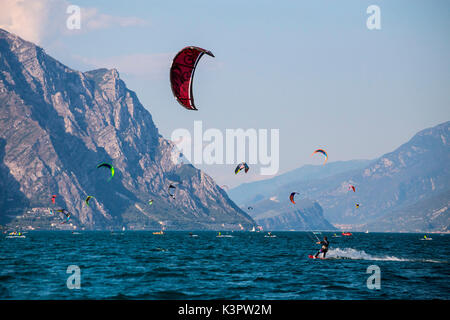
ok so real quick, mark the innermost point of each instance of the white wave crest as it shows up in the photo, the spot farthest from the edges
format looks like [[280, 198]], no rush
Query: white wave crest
[[350, 253]]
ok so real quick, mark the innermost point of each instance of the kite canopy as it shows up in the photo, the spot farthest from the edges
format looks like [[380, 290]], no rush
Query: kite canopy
[[322, 152], [171, 191], [291, 197], [107, 165], [350, 187], [66, 213], [241, 166], [250, 208], [150, 202], [182, 74], [87, 199]]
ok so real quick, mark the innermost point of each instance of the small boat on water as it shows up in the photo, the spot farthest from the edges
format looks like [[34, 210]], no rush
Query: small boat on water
[[425, 238], [224, 235], [347, 234], [15, 234], [159, 232], [270, 235], [336, 236]]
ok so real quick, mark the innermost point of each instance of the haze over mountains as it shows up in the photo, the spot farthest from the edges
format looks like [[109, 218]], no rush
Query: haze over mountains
[[58, 124], [305, 215], [404, 190], [254, 191]]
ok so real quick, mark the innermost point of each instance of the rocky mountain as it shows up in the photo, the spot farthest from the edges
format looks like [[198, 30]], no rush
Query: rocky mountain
[[409, 177], [428, 215], [58, 124], [305, 215]]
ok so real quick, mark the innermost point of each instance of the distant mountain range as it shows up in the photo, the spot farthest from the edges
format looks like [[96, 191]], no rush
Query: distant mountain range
[[254, 191], [404, 190], [430, 214], [58, 124], [306, 215]]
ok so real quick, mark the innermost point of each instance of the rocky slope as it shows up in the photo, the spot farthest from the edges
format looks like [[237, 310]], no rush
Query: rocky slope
[[57, 124], [429, 215]]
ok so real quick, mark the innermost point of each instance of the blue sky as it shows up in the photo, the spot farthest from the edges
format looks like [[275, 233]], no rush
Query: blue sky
[[311, 69]]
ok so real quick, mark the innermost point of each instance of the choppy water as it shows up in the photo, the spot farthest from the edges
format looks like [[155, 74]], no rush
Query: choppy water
[[140, 265]]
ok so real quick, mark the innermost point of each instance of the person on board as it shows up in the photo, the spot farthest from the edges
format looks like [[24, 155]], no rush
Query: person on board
[[324, 248]]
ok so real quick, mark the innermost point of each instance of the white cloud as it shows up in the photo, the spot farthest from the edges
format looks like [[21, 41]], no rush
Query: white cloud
[[25, 18], [44, 21], [92, 20]]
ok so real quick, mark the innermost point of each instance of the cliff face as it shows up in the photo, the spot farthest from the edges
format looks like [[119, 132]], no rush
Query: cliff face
[[57, 124]]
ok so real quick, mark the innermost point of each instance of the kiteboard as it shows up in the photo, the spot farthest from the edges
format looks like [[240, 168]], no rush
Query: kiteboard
[[312, 257]]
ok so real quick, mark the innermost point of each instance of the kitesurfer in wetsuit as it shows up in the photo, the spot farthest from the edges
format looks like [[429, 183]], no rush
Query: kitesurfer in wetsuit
[[324, 248]]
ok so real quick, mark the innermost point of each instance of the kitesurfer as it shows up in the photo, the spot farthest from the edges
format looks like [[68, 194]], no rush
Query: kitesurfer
[[324, 248]]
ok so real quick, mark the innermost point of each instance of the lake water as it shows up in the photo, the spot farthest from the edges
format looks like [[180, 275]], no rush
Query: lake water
[[141, 265]]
